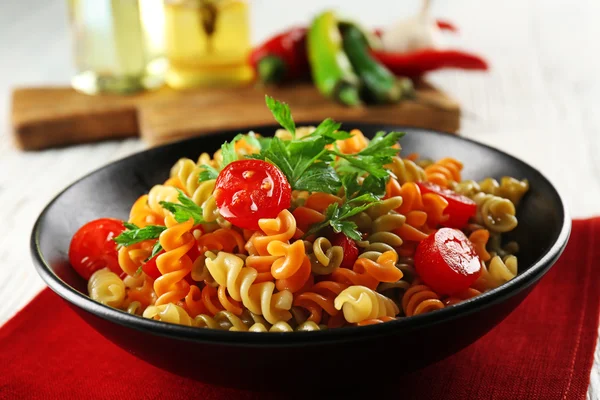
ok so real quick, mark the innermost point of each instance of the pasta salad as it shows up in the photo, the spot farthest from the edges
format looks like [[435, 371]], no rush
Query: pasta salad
[[311, 229]]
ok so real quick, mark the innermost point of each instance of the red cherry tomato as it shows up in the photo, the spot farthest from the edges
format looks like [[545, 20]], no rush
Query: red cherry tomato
[[150, 268], [447, 262], [93, 248], [460, 208], [349, 247], [248, 190]]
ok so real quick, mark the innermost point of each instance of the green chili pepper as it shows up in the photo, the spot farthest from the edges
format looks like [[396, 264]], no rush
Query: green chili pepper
[[330, 67], [378, 83]]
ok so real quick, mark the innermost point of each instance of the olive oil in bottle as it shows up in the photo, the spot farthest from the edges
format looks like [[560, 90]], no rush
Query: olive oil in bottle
[[118, 45], [207, 43]]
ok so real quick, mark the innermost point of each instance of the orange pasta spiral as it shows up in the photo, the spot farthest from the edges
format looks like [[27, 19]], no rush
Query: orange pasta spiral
[[443, 172], [132, 257], [370, 273], [320, 298], [462, 296], [313, 210], [223, 239], [419, 299], [141, 214], [479, 238], [174, 264]]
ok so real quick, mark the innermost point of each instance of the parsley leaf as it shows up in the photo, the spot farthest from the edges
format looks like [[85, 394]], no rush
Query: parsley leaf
[[337, 216], [207, 173], [253, 140], [381, 144], [137, 235], [318, 177], [350, 184], [282, 114], [130, 226], [155, 250], [278, 154], [328, 129], [184, 210], [373, 165], [228, 151]]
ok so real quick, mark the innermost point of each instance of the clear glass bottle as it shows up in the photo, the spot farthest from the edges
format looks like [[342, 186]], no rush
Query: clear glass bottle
[[207, 43], [118, 45]]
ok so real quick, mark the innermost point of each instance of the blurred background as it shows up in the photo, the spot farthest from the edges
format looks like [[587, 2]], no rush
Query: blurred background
[[536, 101]]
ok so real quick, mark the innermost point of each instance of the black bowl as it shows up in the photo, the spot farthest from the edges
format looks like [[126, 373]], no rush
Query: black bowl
[[302, 359]]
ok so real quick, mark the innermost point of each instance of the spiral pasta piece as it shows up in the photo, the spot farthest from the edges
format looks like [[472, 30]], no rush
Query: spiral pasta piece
[[479, 239], [496, 272], [495, 213], [229, 271], [174, 264], [462, 296], [107, 288], [508, 188], [170, 313], [406, 170], [443, 172], [160, 193], [359, 303], [142, 214], [132, 257], [420, 299], [378, 243], [201, 193], [223, 239], [320, 297], [140, 290], [223, 320], [324, 258], [370, 273]]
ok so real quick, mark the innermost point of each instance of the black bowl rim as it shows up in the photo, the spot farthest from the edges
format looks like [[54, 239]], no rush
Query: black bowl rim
[[272, 339]]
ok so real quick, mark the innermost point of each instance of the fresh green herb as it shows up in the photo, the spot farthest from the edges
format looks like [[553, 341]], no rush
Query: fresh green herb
[[282, 114], [253, 140], [318, 177], [373, 165], [134, 235], [184, 210], [381, 145], [311, 164], [351, 185], [228, 151], [207, 173], [329, 130], [155, 250], [130, 226], [337, 216]]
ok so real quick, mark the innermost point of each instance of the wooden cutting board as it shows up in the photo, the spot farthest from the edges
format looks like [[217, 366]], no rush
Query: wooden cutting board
[[59, 116]]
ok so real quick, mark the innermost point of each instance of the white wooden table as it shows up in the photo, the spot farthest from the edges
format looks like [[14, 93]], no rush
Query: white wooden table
[[539, 102]]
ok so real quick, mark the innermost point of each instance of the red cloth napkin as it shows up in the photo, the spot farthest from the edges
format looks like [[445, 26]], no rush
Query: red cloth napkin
[[543, 350]]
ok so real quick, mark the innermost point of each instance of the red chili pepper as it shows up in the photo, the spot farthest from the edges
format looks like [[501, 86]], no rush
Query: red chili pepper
[[441, 23], [446, 25], [282, 57], [418, 62]]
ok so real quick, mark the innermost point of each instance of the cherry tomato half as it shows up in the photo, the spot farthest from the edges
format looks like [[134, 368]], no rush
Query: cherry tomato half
[[349, 247], [447, 262], [93, 248], [248, 190], [460, 208]]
